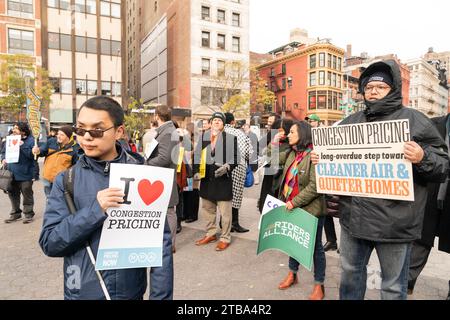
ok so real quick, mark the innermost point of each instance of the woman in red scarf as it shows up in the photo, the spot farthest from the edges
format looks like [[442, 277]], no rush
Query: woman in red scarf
[[298, 190]]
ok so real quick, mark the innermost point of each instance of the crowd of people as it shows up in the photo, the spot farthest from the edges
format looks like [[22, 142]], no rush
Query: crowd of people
[[216, 162]]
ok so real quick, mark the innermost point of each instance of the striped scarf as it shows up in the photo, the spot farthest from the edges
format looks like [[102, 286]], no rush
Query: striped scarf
[[292, 173]]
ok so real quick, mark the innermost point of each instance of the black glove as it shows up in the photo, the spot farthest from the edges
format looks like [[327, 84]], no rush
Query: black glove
[[332, 205]]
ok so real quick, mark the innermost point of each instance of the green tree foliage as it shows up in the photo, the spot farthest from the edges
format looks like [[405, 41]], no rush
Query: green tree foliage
[[13, 71]]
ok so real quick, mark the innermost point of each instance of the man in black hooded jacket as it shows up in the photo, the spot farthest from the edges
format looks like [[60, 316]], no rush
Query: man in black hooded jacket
[[388, 226]]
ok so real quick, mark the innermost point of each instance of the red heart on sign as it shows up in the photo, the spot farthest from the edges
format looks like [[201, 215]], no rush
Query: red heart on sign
[[14, 142], [150, 192]]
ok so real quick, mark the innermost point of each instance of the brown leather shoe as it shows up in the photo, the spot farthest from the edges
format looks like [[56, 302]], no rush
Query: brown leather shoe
[[289, 281], [206, 240], [221, 246], [318, 293]]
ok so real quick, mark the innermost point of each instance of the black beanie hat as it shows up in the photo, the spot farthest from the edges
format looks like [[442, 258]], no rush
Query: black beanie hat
[[68, 131], [219, 115], [382, 76]]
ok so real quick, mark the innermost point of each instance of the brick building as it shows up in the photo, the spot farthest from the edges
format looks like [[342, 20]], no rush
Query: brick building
[[306, 79]]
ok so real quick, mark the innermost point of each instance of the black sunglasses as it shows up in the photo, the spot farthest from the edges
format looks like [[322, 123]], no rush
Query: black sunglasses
[[96, 133]]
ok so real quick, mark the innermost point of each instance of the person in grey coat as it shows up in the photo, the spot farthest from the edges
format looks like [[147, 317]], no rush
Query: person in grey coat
[[165, 155]]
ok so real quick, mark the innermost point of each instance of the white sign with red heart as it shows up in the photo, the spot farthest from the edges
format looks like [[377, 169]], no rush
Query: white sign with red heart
[[132, 235], [13, 144]]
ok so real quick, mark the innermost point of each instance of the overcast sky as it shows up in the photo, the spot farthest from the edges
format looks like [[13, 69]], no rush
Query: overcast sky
[[407, 28]]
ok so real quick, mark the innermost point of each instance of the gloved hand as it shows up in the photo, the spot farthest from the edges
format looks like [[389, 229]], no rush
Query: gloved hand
[[222, 170]]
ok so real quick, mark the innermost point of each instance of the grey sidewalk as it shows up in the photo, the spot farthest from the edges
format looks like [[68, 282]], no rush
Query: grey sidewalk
[[200, 272]]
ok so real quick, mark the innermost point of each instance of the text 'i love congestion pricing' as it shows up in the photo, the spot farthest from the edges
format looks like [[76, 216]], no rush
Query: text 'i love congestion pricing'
[[132, 235]]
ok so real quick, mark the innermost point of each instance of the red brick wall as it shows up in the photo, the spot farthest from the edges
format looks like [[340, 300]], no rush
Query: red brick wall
[[297, 94]]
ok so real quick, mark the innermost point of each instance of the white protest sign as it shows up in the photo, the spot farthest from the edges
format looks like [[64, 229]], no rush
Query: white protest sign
[[132, 235], [364, 160], [150, 147], [13, 149], [270, 204]]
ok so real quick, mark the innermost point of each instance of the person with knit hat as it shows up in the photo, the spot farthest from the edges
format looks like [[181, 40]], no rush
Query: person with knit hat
[[59, 157], [388, 226], [215, 158]]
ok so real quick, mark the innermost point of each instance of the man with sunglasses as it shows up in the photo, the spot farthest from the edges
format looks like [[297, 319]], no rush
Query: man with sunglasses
[[99, 126], [388, 226]]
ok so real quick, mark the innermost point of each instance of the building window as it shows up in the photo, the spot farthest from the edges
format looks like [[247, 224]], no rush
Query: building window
[[110, 47], [283, 68], [66, 86], [312, 61], [205, 39], [283, 84], [339, 81], [312, 101], [59, 41], [55, 84], [20, 8], [80, 44], [339, 64], [333, 80], [91, 45], [221, 68], [236, 44], [329, 61], [92, 88], [283, 103], [205, 96], [117, 89], [334, 62], [20, 41], [329, 79], [321, 60], [86, 6], [205, 13], [221, 41], [59, 4], [321, 78], [81, 87], [106, 88], [289, 81], [321, 100], [312, 79], [110, 9], [221, 16], [236, 20], [272, 72], [206, 67]]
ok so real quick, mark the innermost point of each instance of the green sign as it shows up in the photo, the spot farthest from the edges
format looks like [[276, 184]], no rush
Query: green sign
[[291, 232]]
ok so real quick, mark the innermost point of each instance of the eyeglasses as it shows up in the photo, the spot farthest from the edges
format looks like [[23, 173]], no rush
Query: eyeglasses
[[378, 88], [96, 133]]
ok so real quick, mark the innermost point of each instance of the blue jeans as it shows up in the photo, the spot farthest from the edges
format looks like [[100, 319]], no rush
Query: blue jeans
[[394, 262], [320, 263]]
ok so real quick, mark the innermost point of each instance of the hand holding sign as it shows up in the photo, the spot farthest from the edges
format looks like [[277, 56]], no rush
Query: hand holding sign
[[110, 198], [315, 158], [414, 152]]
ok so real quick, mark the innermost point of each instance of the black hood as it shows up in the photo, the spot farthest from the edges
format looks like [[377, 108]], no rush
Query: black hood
[[390, 103]]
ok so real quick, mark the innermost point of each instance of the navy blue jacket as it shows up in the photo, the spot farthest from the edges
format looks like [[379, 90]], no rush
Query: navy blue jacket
[[23, 170], [65, 235]]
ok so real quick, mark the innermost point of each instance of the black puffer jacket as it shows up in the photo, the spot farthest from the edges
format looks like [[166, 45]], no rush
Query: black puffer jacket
[[390, 220]]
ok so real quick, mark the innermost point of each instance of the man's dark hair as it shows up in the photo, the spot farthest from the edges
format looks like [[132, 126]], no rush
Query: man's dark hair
[[107, 104], [23, 127], [304, 133], [164, 113], [229, 117], [276, 115]]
